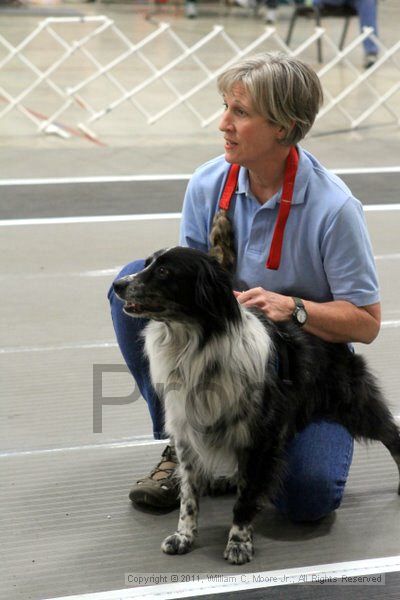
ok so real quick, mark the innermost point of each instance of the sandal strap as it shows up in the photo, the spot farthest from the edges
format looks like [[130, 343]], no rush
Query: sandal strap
[[168, 455]]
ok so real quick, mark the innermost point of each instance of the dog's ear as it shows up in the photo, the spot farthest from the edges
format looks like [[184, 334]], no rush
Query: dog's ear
[[213, 293], [153, 257]]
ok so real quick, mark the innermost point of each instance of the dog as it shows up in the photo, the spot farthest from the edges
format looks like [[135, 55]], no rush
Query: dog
[[214, 362]]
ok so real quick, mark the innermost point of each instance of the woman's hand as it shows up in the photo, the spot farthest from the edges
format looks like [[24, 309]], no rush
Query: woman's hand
[[275, 306], [337, 321]]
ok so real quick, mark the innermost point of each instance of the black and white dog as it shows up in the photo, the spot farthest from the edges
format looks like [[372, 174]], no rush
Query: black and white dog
[[215, 364]]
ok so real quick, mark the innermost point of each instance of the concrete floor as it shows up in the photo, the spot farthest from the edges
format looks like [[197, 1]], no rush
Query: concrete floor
[[68, 527]]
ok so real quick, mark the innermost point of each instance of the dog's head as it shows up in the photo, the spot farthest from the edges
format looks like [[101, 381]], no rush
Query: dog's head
[[180, 284]]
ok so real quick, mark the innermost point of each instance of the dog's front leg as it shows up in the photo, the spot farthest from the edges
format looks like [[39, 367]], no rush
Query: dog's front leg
[[181, 541], [239, 549], [257, 477]]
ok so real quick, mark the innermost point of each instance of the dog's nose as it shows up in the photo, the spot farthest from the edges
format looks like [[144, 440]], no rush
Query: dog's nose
[[120, 286]]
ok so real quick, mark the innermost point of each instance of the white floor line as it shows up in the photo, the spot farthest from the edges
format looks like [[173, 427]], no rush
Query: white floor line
[[52, 348], [389, 324], [167, 177], [223, 583], [103, 272], [366, 170], [135, 442], [96, 219], [114, 270], [394, 256], [140, 217], [94, 179], [43, 275], [145, 440], [380, 207]]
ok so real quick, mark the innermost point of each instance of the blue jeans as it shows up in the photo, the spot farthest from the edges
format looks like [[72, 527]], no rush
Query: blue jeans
[[318, 457], [367, 13]]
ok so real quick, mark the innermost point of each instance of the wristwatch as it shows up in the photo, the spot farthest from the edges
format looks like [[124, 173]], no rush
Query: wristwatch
[[299, 314]]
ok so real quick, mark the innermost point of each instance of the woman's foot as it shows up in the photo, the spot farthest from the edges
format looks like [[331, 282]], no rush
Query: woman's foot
[[161, 488]]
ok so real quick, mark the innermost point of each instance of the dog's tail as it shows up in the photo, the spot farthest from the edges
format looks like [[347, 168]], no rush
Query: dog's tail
[[391, 439], [368, 415]]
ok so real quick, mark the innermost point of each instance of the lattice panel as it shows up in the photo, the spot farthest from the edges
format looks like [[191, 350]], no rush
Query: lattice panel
[[135, 74]]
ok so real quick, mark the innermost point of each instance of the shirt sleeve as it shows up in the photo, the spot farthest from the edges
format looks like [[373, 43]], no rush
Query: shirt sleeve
[[193, 228], [348, 258]]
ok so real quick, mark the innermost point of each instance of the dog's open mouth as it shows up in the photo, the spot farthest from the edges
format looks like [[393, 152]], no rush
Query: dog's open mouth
[[136, 309]]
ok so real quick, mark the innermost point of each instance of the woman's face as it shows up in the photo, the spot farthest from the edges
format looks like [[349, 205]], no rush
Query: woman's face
[[250, 140]]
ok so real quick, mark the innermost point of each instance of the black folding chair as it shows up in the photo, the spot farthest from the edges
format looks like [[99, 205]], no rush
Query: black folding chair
[[326, 10]]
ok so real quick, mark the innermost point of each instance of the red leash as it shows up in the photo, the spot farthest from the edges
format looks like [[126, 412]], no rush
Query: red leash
[[230, 187], [291, 164]]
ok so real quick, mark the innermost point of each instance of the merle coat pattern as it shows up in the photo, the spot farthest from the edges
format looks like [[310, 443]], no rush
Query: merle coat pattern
[[214, 363]]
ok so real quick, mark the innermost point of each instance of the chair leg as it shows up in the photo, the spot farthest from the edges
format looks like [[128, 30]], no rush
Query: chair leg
[[317, 13], [291, 27], [344, 32]]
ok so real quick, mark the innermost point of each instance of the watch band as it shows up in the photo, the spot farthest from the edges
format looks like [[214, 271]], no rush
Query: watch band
[[299, 314], [298, 302]]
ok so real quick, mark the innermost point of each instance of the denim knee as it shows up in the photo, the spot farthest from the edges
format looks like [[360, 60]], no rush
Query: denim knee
[[128, 332], [318, 460], [310, 497]]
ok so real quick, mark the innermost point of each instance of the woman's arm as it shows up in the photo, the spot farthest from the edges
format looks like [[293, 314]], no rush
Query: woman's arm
[[342, 321], [336, 321]]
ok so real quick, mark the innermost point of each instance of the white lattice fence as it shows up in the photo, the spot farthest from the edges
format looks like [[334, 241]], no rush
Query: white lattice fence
[[79, 77]]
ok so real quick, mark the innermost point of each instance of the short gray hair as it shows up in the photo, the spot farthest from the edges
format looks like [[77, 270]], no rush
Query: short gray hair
[[284, 90]]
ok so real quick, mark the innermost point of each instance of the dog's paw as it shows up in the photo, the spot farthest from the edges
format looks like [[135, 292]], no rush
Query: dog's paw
[[177, 543], [239, 553]]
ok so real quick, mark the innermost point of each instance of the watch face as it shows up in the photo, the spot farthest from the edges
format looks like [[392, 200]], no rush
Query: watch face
[[301, 315]]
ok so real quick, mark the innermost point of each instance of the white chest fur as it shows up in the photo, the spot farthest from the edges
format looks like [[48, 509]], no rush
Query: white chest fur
[[211, 394]]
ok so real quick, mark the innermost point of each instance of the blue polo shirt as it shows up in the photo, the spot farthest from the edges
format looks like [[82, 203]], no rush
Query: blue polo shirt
[[326, 253]]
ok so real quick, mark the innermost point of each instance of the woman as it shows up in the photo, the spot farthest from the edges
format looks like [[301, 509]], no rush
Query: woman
[[318, 271]]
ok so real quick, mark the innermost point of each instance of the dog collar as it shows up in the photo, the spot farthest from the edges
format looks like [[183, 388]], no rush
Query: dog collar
[[291, 165]]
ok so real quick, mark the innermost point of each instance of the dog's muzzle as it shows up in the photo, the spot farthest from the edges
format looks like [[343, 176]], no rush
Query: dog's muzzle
[[132, 292], [120, 287]]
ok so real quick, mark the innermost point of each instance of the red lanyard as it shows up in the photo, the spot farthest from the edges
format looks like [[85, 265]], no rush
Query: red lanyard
[[275, 250]]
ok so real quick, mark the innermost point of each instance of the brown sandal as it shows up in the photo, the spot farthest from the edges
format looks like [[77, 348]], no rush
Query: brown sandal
[[161, 488]]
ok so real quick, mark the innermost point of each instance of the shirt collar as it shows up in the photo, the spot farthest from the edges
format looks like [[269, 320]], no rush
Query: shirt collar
[[300, 185]]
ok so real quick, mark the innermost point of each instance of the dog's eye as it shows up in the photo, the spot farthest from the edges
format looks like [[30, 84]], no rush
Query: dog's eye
[[162, 272]]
